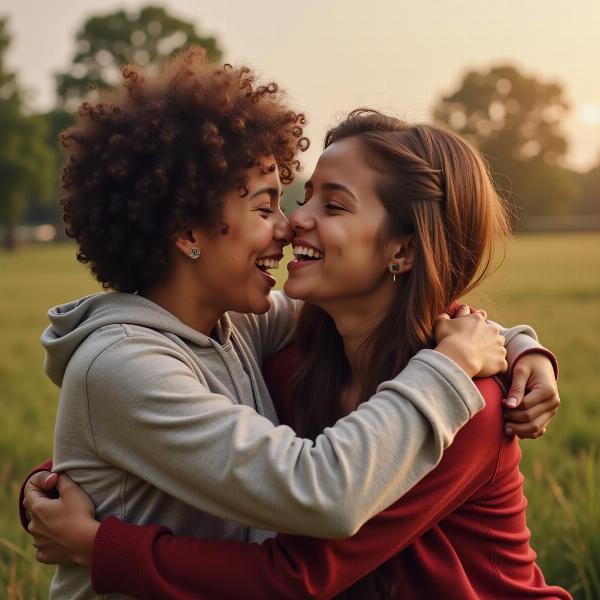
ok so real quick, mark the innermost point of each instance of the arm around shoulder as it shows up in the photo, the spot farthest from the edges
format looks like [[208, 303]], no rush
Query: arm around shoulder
[[202, 441]]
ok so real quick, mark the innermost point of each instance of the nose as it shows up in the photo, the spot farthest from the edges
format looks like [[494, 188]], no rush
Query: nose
[[282, 230], [302, 218]]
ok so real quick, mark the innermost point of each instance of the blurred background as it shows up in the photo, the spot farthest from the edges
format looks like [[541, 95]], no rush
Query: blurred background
[[519, 79]]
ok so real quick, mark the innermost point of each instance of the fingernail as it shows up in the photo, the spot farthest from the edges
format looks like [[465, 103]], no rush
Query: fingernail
[[512, 402], [508, 431], [48, 478]]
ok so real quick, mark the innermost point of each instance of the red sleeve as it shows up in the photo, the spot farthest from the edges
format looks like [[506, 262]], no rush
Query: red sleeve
[[149, 562], [46, 466]]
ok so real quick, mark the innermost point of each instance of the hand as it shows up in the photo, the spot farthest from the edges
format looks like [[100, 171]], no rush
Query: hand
[[63, 529], [42, 481], [533, 398], [476, 346]]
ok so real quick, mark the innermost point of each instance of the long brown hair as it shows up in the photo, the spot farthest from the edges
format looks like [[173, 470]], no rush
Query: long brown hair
[[433, 185]]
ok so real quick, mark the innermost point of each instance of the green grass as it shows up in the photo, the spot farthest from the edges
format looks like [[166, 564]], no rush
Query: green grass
[[549, 281]]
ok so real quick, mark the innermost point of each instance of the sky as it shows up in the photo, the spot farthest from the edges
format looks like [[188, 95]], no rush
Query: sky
[[334, 55]]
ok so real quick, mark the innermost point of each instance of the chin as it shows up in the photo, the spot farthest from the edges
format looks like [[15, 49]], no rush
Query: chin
[[260, 307], [293, 290], [299, 292]]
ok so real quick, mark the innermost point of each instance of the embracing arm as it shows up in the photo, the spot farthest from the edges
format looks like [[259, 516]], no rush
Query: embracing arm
[[328, 487], [271, 331], [290, 566]]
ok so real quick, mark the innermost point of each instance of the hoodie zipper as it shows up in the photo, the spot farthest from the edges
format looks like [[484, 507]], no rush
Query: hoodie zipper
[[248, 532]]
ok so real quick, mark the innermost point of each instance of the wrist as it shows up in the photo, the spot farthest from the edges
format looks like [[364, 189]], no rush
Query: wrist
[[456, 353], [85, 542], [542, 353]]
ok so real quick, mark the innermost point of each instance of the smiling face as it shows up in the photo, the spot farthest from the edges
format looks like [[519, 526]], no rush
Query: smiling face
[[233, 266], [341, 249]]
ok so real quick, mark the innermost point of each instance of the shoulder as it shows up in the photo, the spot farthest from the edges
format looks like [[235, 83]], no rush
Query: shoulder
[[490, 418], [127, 355], [482, 437]]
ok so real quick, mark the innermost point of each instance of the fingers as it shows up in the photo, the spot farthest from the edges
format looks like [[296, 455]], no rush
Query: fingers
[[46, 551], [531, 430], [43, 483], [38, 480], [520, 376], [541, 394], [41, 556], [481, 312], [463, 311], [50, 481], [527, 415], [32, 498], [65, 484]]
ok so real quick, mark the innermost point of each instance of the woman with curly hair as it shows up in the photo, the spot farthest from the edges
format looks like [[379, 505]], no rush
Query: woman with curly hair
[[173, 197]]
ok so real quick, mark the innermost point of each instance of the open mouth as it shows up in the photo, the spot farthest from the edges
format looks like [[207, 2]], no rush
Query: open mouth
[[263, 265], [304, 253]]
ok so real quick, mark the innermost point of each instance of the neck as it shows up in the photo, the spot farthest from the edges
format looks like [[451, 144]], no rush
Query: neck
[[356, 319], [191, 306]]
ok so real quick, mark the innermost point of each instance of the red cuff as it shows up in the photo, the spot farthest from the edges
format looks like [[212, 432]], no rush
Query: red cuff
[[549, 355], [117, 556], [47, 466]]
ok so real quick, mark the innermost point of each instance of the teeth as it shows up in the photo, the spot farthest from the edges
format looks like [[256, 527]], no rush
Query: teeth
[[270, 263], [310, 252]]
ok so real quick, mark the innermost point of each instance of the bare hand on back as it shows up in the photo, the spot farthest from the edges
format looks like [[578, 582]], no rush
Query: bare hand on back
[[471, 342]]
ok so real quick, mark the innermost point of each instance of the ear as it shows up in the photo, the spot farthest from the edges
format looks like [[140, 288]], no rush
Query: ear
[[188, 239], [403, 253]]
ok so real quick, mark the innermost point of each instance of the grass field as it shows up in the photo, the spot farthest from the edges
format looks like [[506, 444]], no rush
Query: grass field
[[549, 281]]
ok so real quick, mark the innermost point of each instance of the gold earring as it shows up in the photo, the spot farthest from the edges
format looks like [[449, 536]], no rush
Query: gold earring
[[394, 269], [194, 253]]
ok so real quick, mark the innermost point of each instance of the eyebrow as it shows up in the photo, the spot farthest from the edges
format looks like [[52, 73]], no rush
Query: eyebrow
[[273, 192], [331, 185]]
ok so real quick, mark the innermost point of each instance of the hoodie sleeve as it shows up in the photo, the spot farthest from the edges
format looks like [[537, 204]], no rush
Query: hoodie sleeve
[[521, 340], [270, 332], [225, 459]]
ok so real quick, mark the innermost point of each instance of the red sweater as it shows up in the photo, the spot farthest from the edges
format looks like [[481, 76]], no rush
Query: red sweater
[[458, 534]]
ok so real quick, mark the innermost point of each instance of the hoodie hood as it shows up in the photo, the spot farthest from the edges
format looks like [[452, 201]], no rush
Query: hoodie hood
[[72, 323]]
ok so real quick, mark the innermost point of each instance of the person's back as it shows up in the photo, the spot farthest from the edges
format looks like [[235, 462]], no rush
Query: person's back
[[461, 530], [480, 549]]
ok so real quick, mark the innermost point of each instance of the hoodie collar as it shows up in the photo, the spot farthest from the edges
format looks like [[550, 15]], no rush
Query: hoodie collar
[[71, 323]]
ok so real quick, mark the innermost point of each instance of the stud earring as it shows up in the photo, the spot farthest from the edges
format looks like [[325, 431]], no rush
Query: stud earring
[[394, 269], [194, 253]]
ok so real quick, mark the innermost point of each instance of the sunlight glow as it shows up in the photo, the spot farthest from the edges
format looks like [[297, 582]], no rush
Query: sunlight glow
[[589, 114]]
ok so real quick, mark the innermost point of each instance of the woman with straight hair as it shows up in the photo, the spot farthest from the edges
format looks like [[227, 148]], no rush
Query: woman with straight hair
[[399, 222]]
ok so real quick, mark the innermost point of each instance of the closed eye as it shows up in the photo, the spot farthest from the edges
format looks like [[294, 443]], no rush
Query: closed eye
[[330, 206]]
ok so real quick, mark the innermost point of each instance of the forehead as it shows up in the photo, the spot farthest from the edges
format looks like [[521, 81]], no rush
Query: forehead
[[344, 161]]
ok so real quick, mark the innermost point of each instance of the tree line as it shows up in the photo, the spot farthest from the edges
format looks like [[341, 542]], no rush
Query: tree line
[[514, 119]]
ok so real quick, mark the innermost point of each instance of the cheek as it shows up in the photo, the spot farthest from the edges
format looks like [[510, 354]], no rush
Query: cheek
[[250, 237], [357, 245]]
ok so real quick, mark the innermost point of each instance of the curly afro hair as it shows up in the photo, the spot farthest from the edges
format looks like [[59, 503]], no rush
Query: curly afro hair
[[157, 155]]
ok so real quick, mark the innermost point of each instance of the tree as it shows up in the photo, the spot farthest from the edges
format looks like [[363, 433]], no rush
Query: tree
[[27, 166], [106, 43], [515, 121], [589, 203], [39, 210]]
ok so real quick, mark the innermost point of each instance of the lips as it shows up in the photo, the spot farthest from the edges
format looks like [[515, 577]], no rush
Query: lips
[[264, 263], [305, 251]]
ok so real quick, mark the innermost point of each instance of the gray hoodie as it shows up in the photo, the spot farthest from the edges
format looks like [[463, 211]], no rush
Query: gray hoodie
[[161, 424]]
